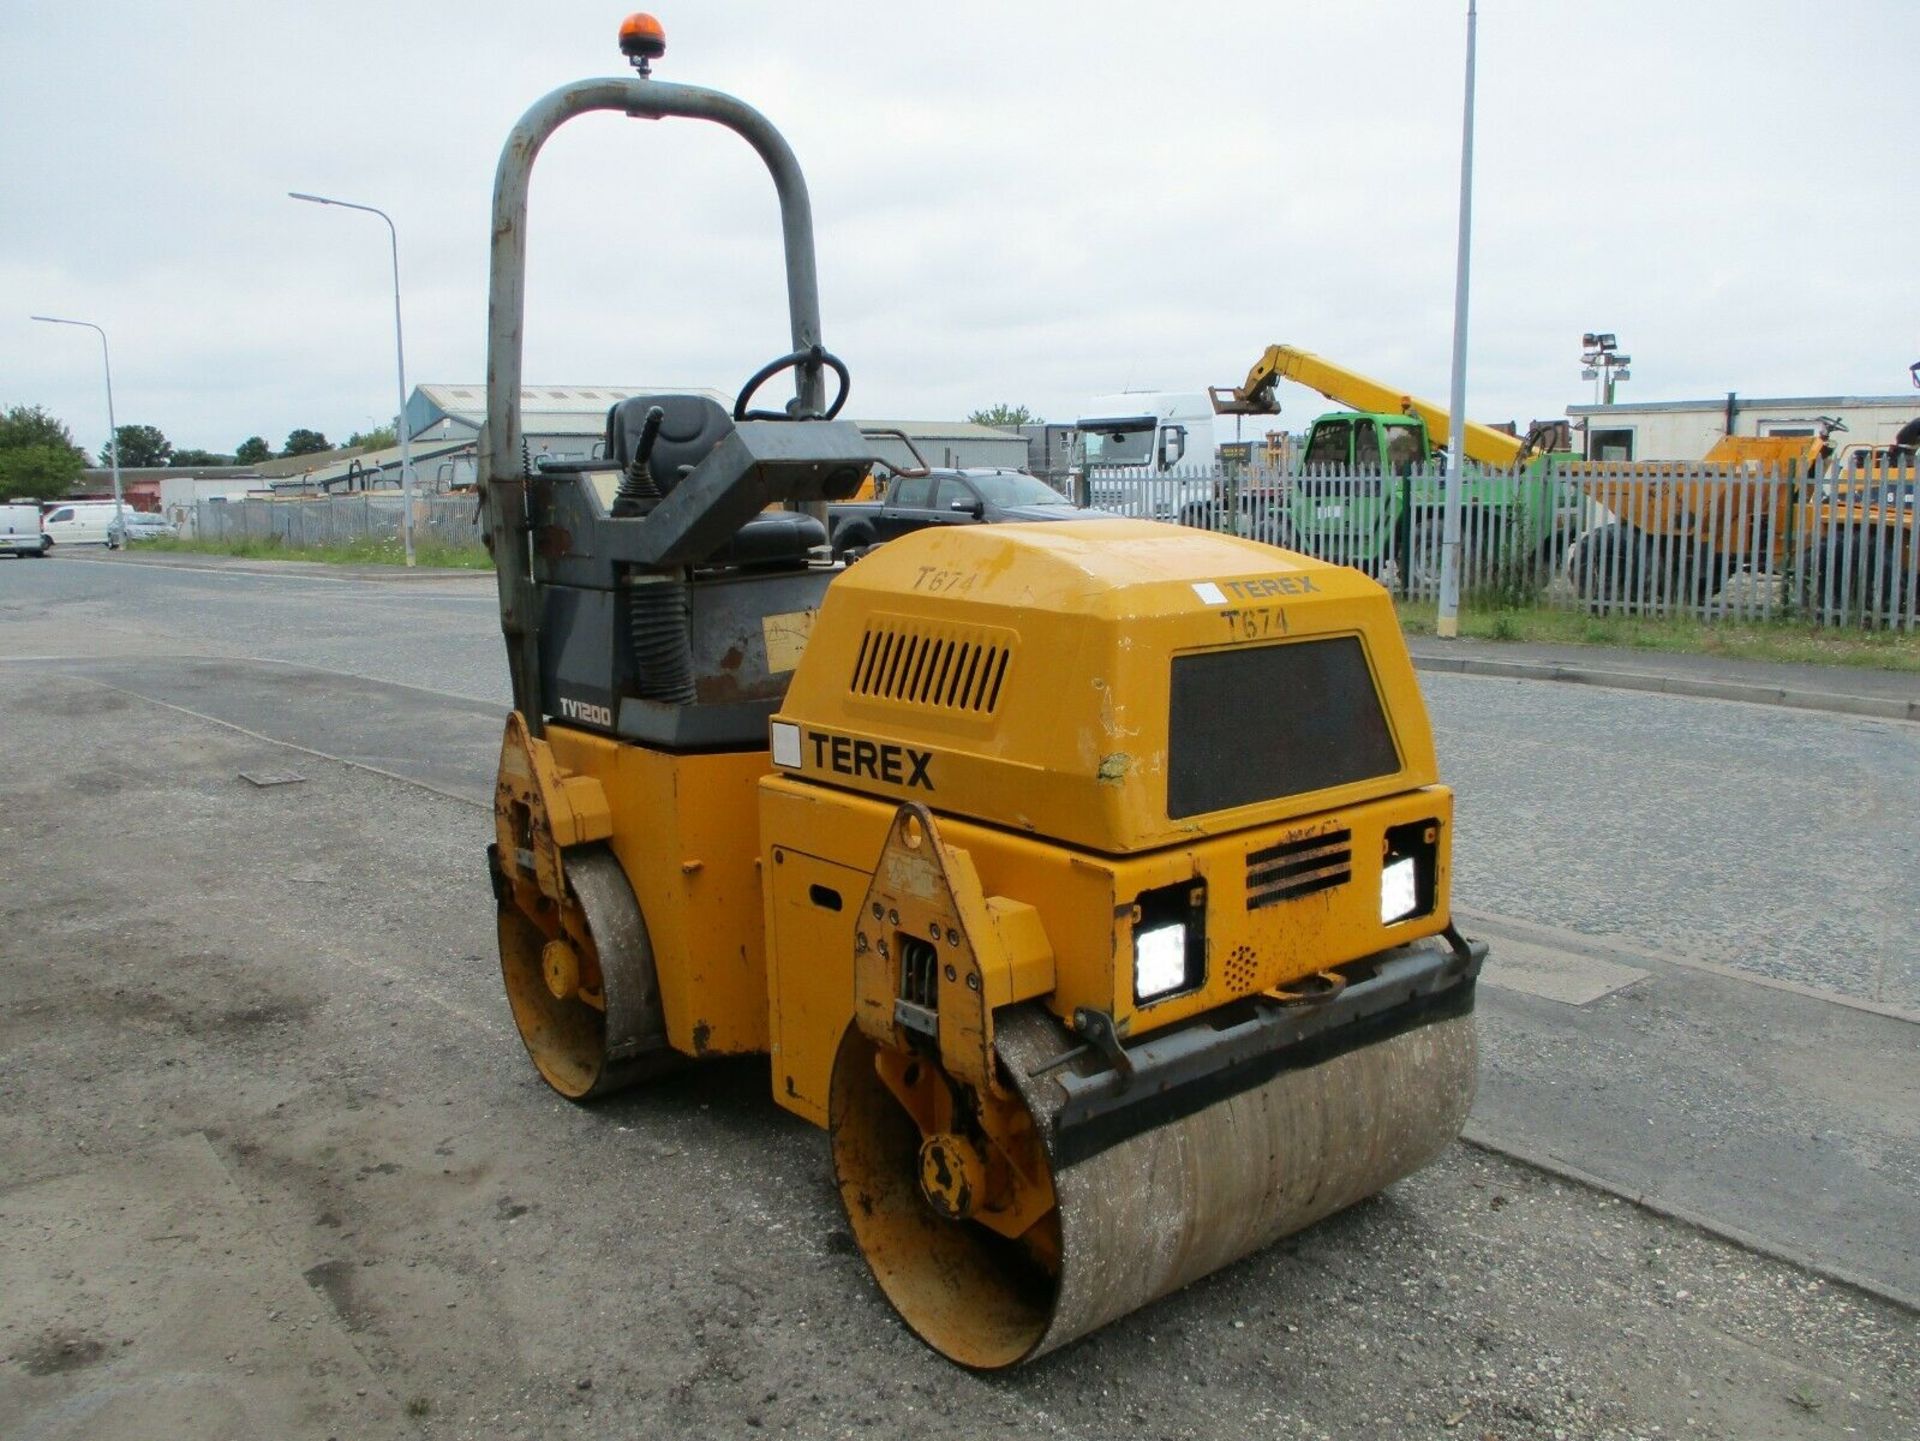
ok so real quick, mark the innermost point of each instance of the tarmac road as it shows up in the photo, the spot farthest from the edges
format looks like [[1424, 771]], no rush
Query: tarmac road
[[265, 1070], [1784, 843]]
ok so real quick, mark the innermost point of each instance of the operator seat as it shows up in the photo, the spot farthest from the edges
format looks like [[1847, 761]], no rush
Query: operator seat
[[691, 426]]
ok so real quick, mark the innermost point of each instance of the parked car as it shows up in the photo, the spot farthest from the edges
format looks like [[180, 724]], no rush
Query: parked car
[[20, 532], [141, 525], [913, 500], [81, 522]]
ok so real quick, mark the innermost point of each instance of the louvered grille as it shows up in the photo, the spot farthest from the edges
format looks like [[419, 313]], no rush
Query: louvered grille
[[1298, 868], [954, 668]]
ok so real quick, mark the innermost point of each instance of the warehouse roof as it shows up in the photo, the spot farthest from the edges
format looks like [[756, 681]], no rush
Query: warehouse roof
[[331, 467], [544, 409], [582, 410]]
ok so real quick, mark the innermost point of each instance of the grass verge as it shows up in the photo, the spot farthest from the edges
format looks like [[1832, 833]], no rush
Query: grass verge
[[1782, 641], [372, 550]]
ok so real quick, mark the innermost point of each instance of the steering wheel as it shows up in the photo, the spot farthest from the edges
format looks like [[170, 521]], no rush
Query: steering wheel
[[814, 355]]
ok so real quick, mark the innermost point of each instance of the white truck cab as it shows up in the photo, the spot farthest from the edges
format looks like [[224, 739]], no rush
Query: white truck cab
[[1157, 453], [1166, 430]]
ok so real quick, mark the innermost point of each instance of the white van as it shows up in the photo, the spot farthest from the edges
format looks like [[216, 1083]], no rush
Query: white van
[[20, 532], [80, 522]]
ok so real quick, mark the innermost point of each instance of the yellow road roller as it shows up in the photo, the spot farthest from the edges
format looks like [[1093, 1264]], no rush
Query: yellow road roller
[[1087, 882]]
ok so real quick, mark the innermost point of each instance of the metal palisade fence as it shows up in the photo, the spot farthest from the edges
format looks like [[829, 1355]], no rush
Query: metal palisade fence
[[1711, 542], [333, 519]]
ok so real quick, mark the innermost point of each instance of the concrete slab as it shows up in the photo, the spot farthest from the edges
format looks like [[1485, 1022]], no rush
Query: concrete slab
[[138, 1299], [1787, 1121], [1556, 975], [445, 743]]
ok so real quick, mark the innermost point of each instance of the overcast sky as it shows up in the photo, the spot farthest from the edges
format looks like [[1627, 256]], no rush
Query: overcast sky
[[1031, 203]]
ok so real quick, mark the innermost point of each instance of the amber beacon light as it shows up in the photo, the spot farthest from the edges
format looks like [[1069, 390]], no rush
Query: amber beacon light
[[642, 39]]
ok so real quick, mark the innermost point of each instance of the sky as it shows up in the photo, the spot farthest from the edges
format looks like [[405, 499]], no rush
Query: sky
[[1022, 203]]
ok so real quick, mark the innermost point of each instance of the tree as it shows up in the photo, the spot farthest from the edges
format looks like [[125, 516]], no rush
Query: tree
[[137, 445], [38, 459], [381, 437], [1005, 417], [37, 472], [304, 442], [190, 456], [30, 425], [252, 451]]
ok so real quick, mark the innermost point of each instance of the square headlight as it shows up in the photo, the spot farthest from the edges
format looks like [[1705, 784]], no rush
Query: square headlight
[[1399, 891], [1169, 940], [1160, 961], [1409, 872]]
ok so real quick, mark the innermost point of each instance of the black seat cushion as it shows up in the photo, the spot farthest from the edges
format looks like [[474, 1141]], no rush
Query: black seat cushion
[[689, 430], [692, 426], [773, 537]]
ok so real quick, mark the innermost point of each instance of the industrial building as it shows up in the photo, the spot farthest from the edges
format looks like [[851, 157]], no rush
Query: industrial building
[[1687, 429], [570, 422]]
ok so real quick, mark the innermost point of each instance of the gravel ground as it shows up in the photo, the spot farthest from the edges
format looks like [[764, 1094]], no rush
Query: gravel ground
[[303, 976]]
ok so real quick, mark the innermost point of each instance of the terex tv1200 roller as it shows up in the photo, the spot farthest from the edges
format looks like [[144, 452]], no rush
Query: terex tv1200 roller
[[1087, 882]]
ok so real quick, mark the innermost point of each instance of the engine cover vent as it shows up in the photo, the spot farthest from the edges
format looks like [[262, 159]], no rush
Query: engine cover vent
[[1298, 868], [957, 668]]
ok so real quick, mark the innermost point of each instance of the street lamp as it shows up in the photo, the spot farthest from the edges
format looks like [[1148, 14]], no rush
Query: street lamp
[[400, 357], [113, 430]]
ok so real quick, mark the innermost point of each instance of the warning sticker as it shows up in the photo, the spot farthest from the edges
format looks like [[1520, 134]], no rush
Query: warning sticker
[[786, 638]]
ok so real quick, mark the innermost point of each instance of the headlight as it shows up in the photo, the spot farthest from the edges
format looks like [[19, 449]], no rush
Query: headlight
[[1160, 961], [1169, 941], [1399, 891]]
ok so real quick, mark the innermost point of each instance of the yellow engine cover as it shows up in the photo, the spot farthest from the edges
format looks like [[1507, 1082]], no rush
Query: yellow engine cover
[[1114, 685], [1121, 725]]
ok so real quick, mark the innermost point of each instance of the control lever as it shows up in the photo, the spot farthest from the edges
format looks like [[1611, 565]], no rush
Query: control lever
[[638, 492]]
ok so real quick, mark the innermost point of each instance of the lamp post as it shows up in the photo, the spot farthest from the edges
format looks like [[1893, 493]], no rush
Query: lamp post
[[400, 358], [1447, 620], [113, 430]]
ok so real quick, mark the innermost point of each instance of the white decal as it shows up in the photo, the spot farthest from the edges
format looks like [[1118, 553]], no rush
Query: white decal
[[786, 744]]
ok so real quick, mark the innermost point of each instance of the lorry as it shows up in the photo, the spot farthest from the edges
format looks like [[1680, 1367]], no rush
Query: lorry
[[1156, 451], [1368, 488]]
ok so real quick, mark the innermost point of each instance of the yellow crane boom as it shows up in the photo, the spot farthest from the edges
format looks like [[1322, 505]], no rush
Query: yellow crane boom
[[1254, 396]]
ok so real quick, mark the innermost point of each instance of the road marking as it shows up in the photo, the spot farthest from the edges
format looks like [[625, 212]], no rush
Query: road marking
[[1563, 976]]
